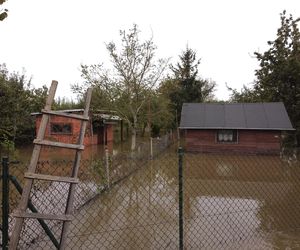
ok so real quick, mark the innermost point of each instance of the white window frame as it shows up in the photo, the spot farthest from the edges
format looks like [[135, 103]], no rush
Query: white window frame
[[226, 136]]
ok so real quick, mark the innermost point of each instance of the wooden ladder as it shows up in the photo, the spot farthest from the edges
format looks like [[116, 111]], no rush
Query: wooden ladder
[[20, 214]]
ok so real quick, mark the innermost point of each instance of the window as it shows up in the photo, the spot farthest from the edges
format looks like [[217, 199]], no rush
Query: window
[[61, 128], [227, 136]]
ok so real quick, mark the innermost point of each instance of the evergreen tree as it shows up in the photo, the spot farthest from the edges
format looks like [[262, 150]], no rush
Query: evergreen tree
[[185, 85]]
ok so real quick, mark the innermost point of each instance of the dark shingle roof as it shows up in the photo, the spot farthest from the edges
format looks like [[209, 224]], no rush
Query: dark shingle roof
[[269, 116]]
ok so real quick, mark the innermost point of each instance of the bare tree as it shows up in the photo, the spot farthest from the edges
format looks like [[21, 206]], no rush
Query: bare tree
[[134, 73]]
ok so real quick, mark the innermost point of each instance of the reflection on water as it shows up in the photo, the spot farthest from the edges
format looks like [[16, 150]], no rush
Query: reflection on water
[[225, 169], [241, 201], [138, 213], [230, 202], [216, 222]]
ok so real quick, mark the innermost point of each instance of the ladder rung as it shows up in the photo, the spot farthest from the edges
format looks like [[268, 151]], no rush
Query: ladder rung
[[51, 178], [58, 144], [74, 116], [62, 217]]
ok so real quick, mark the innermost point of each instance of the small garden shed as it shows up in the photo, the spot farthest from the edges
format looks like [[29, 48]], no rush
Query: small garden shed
[[234, 127], [63, 129]]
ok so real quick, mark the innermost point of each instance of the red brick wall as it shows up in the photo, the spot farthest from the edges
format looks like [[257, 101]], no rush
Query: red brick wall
[[110, 132], [108, 129], [249, 141], [67, 138]]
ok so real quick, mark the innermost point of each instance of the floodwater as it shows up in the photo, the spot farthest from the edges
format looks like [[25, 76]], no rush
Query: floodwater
[[229, 202], [23, 154]]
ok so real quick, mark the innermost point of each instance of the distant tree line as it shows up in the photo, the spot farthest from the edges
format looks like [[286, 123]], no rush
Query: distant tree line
[[18, 99]]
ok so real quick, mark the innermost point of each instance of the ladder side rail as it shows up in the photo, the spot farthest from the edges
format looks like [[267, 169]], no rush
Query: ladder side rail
[[31, 168], [70, 199]]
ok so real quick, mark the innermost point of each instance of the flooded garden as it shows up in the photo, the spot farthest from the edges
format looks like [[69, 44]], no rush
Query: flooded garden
[[229, 202]]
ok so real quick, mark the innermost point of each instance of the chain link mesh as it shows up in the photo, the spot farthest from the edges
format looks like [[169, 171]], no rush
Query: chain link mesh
[[130, 201], [239, 201]]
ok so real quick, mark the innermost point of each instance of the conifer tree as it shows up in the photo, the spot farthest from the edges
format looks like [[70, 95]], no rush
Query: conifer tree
[[185, 85]]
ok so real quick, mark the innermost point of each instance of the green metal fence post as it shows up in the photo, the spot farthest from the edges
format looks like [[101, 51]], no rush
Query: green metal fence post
[[5, 202], [180, 194]]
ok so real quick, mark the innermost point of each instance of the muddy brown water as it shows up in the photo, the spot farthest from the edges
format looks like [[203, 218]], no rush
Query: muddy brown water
[[230, 202]]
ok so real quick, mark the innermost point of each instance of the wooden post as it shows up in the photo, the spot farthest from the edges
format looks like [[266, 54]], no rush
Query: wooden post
[[151, 148], [107, 167], [122, 131], [104, 134]]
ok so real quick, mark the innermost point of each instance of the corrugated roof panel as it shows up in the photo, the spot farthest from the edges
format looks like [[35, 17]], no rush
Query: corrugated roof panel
[[255, 116], [277, 115], [192, 114], [214, 115], [234, 116]]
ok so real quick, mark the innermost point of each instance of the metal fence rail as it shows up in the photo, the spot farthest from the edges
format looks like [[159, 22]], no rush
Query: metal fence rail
[[176, 200]]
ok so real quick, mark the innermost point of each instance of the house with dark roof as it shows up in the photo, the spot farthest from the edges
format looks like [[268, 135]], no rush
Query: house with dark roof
[[234, 127]]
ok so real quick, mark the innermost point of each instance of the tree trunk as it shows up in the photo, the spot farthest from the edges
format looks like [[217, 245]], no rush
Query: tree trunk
[[133, 133], [133, 139]]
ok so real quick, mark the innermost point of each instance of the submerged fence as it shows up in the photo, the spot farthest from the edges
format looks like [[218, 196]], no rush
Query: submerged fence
[[128, 201], [96, 176]]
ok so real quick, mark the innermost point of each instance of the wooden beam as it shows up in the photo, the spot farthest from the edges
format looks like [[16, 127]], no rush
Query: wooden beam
[[51, 178]]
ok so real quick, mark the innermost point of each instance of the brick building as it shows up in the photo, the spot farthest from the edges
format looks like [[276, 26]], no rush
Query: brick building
[[235, 127], [63, 129]]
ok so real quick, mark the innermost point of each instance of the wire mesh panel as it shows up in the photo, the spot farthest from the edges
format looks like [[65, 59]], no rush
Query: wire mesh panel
[[239, 201], [136, 212], [128, 201], [124, 201]]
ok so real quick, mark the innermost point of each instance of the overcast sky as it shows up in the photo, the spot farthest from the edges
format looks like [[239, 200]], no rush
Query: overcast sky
[[50, 39]]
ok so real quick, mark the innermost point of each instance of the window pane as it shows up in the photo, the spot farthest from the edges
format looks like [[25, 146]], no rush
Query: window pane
[[227, 136], [61, 128], [56, 128], [67, 128]]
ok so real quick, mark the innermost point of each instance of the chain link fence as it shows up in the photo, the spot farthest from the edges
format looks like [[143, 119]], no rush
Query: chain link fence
[[130, 201], [241, 202], [97, 178]]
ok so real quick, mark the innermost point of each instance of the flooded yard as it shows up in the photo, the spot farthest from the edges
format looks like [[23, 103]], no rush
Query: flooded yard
[[229, 201]]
